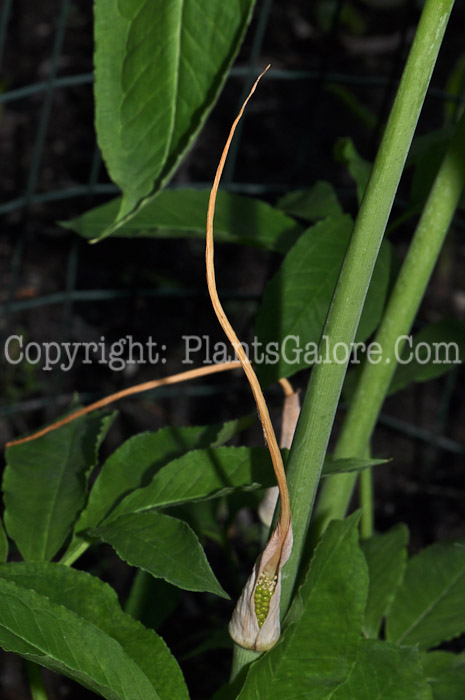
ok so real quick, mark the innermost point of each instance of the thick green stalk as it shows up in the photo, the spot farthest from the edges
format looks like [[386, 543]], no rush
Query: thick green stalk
[[397, 322], [316, 420], [242, 658]]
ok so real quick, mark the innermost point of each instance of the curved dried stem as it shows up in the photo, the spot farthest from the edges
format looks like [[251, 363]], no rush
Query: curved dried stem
[[286, 387], [270, 437], [146, 386]]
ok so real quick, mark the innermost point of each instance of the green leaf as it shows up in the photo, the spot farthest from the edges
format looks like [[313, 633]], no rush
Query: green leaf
[[296, 300], [199, 475], [386, 557], [231, 428], [44, 485], [159, 68], [51, 635], [358, 167], [436, 349], [429, 607], [319, 202], [317, 652], [182, 214], [350, 464], [134, 464], [3, 543], [445, 672], [385, 672], [96, 602], [164, 546]]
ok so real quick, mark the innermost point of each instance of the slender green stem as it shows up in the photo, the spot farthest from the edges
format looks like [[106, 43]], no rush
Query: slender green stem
[[366, 502], [36, 682], [316, 420], [397, 322], [74, 551]]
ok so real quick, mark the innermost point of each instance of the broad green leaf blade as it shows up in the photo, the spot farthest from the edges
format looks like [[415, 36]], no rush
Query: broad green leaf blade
[[164, 546], [296, 300], [182, 214], [320, 202], [386, 557], [436, 349], [445, 672], [350, 464], [429, 607], [135, 462], [317, 652], [97, 603], [53, 636], [3, 543], [385, 672], [358, 167], [44, 485], [199, 475], [159, 68]]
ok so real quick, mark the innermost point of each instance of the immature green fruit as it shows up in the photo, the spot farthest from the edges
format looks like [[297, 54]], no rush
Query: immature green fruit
[[265, 588]]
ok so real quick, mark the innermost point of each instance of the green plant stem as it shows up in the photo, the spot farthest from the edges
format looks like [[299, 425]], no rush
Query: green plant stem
[[242, 658], [74, 551], [36, 682], [397, 322], [316, 420], [366, 502]]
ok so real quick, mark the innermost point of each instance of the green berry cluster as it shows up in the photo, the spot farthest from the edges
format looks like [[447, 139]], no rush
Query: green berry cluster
[[263, 592]]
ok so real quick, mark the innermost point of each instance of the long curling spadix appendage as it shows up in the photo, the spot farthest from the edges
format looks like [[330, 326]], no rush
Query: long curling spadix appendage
[[255, 622]]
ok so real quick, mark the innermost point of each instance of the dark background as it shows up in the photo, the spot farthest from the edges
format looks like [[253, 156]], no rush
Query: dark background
[[51, 171]]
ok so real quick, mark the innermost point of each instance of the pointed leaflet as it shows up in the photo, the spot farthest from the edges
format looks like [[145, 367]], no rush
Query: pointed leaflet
[[53, 636], [429, 607], [319, 202], [386, 557], [181, 214], [358, 167], [135, 462], [317, 651], [198, 475], [44, 485], [349, 464], [97, 603], [164, 546], [159, 68], [385, 672], [297, 298]]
